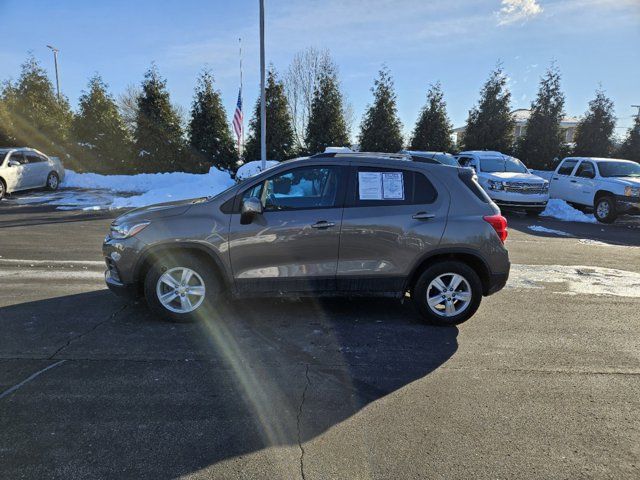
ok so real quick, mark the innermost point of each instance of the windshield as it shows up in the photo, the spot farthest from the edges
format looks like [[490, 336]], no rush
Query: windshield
[[446, 159], [506, 164], [619, 169]]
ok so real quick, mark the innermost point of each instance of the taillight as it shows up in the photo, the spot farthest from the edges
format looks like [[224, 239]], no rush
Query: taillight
[[499, 224]]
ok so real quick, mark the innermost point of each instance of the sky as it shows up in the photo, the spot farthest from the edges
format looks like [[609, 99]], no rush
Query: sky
[[456, 42]]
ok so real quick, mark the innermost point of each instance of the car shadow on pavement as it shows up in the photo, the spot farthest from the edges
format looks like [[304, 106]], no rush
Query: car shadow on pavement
[[138, 397]]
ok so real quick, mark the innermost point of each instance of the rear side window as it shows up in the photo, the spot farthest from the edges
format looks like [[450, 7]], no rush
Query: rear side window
[[376, 186], [470, 179], [567, 167]]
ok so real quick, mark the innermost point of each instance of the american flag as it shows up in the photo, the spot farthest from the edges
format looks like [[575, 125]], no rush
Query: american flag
[[237, 117]]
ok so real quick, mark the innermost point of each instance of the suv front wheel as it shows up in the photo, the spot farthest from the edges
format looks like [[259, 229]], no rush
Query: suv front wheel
[[447, 293], [181, 288]]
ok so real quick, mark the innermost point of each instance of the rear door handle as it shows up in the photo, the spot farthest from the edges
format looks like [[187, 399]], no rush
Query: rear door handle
[[323, 224], [573, 181], [556, 178], [423, 216]]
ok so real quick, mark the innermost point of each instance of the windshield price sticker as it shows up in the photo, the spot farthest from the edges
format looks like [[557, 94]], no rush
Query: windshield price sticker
[[393, 186]]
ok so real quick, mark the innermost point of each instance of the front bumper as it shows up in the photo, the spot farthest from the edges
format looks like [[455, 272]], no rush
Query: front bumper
[[506, 204], [628, 205], [122, 290]]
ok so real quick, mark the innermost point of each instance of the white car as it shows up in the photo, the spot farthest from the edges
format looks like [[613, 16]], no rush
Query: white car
[[608, 185], [507, 181], [26, 168]]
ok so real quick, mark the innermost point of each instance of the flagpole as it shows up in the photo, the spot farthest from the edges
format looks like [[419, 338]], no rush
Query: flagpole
[[241, 137], [263, 110]]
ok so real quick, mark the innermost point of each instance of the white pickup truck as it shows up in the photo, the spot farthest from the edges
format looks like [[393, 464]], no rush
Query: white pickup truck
[[607, 185], [507, 181]]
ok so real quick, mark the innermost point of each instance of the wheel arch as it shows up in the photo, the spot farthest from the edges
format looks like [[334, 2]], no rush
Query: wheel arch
[[470, 258], [601, 193], [156, 252]]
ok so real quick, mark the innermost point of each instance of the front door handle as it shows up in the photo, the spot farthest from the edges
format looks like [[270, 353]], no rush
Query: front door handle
[[573, 181], [423, 216], [323, 224]]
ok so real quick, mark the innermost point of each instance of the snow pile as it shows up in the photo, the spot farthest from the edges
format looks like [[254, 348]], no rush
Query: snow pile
[[541, 229], [561, 210], [152, 187], [253, 168]]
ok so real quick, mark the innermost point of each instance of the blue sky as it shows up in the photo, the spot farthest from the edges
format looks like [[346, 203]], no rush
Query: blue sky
[[455, 41]]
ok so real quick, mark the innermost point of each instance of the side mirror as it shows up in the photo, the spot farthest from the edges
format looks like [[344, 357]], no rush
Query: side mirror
[[251, 207], [14, 163]]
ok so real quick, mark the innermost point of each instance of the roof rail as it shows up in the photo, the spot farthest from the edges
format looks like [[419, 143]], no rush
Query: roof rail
[[397, 156]]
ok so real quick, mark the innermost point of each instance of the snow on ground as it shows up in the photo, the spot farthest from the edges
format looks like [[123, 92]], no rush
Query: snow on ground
[[252, 168], [541, 229], [126, 191], [561, 210], [576, 279]]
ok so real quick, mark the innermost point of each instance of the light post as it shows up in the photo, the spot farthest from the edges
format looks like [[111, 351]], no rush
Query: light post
[[263, 108], [55, 62]]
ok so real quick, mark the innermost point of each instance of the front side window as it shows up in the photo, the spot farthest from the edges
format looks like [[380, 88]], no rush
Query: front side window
[[586, 170], [567, 167], [301, 188], [18, 157]]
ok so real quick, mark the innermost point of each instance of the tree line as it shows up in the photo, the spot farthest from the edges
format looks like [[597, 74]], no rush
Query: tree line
[[306, 111]]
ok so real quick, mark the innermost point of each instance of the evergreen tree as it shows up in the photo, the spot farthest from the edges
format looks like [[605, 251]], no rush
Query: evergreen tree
[[33, 114], [594, 132], [433, 129], [103, 140], [209, 133], [490, 125], [381, 130], [279, 129], [542, 141], [630, 148], [327, 125], [159, 143]]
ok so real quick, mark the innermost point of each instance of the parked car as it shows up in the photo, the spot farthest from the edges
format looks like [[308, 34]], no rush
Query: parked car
[[340, 224], [26, 168], [432, 157], [608, 185], [507, 181]]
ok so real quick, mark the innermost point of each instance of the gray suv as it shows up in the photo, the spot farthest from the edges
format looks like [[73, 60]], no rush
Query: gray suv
[[332, 224]]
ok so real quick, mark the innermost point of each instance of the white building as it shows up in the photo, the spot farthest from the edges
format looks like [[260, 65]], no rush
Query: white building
[[521, 117]]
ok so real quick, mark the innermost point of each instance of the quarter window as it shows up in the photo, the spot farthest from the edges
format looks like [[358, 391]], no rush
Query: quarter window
[[567, 167]]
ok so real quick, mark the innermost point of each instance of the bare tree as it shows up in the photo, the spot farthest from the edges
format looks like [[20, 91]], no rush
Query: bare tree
[[300, 81], [128, 105]]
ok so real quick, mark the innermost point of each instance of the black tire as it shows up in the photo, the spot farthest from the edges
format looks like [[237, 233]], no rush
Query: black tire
[[51, 183], [3, 189], [205, 272], [605, 209], [534, 212], [419, 292]]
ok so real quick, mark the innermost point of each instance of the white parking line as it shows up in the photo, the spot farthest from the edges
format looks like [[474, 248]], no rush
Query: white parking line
[[21, 261], [38, 274]]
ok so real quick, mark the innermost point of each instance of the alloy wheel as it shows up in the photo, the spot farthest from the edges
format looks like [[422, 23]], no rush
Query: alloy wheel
[[448, 294], [180, 290]]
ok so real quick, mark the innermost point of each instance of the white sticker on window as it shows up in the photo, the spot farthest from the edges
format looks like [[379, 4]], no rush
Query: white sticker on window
[[370, 185], [393, 186]]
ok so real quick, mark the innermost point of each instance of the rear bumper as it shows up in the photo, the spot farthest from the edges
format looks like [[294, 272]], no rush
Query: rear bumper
[[121, 289], [497, 281]]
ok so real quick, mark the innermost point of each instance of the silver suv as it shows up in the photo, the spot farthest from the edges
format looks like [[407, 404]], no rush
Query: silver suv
[[332, 224]]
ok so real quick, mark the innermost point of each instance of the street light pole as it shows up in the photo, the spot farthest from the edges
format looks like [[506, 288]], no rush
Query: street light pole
[[55, 62], [263, 107]]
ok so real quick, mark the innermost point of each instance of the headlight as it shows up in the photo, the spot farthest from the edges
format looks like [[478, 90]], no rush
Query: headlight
[[632, 191], [127, 230], [545, 185], [495, 185]]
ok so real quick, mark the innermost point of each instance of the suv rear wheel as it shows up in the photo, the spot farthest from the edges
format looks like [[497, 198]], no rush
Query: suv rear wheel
[[447, 293], [181, 288], [605, 209]]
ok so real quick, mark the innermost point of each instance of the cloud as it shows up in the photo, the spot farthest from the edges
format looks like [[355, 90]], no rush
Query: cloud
[[517, 10]]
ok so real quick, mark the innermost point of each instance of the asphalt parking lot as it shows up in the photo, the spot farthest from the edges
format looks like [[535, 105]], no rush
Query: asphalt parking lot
[[544, 381]]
